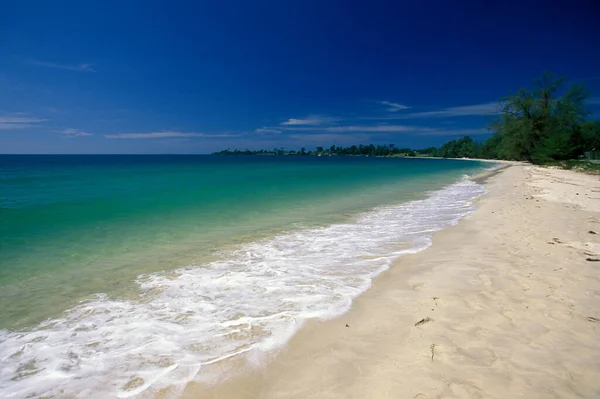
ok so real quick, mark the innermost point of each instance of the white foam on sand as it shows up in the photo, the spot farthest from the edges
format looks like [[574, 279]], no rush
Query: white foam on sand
[[253, 300]]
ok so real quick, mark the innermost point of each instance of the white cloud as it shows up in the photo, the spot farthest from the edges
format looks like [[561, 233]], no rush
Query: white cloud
[[266, 129], [353, 130], [467, 110], [377, 128], [13, 122], [328, 139], [457, 132], [162, 135], [74, 133], [393, 107], [68, 67], [365, 129], [16, 119], [315, 127], [13, 126], [594, 101], [310, 120]]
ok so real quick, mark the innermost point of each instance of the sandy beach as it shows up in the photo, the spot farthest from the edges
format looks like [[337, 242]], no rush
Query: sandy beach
[[504, 305]]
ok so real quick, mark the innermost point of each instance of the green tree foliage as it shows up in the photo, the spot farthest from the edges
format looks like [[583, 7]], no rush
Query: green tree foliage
[[542, 125], [464, 147], [590, 132], [491, 148]]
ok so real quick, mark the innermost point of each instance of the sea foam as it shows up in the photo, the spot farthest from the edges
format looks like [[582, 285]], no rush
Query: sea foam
[[251, 301]]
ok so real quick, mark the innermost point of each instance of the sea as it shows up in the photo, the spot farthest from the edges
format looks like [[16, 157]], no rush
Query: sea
[[127, 275]]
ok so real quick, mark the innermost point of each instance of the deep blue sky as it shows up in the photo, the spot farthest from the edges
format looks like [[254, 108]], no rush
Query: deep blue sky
[[195, 77]]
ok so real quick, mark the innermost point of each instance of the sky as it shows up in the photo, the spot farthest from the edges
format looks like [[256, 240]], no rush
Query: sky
[[200, 76]]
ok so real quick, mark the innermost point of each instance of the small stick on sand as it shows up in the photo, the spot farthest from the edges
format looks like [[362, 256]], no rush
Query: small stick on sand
[[432, 351], [423, 321]]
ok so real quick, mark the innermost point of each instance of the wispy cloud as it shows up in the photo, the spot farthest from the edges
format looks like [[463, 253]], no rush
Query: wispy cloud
[[13, 122], [67, 67], [377, 130], [467, 110], [266, 129], [364, 128], [310, 120], [13, 126], [393, 107], [74, 133], [594, 101], [456, 132], [18, 119], [368, 132], [163, 135], [330, 138], [317, 127]]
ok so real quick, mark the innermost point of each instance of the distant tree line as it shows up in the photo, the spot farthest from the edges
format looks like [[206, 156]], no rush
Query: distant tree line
[[362, 149], [542, 125]]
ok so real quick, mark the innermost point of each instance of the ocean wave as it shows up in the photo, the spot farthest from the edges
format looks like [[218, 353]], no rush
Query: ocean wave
[[251, 301]]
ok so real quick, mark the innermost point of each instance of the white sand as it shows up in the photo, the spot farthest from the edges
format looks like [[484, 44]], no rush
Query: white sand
[[513, 302]]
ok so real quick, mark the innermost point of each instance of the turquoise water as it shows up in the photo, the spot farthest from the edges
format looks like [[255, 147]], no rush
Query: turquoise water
[[76, 233]]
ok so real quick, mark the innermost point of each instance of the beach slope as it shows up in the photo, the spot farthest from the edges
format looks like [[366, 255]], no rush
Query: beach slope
[[504, 305]]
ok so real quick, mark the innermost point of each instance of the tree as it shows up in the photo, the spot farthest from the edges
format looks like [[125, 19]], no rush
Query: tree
[[490, 149], [464, 147], [590, 131], [467, 148], [429, 151], [540, 125]]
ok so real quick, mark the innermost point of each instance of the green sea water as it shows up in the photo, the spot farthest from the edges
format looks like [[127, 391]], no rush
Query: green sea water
[[217, 239], [72, 226]]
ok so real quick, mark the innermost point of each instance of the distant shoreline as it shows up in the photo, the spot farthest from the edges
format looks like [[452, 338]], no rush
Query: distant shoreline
[[377, 156], [485, 160]]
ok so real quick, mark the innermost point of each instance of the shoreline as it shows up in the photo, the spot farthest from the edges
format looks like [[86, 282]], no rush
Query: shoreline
[[160, 333], [502, 305]]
